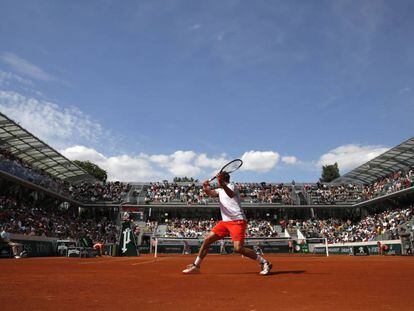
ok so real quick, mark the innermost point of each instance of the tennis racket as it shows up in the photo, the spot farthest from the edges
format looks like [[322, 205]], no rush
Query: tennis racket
[[229, 167]]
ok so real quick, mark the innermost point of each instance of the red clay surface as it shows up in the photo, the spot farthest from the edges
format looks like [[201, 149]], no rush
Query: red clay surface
[[227, 282]]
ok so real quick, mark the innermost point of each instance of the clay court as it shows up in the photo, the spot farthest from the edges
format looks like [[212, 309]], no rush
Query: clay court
[[226, 283]]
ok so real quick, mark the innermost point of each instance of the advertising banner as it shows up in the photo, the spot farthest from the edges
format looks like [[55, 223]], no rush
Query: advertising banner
[[127, 245]]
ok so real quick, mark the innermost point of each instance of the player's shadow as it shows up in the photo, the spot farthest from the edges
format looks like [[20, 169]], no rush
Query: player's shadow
[[270, 273], [287, 272]]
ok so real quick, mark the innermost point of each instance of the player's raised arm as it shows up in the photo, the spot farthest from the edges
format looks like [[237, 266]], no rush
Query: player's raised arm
[[207, 189], [223, 179]]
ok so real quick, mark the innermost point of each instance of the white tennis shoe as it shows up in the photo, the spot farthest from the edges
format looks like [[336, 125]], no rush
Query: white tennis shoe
[[266, 267], [191, 269]]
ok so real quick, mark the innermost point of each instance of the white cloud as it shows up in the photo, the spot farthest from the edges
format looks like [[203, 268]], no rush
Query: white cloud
[[25, 67], [83, 153], [56, 125], [141, 167], [350, 156], [194, 27], [70, 130], [144, 167], [290, 160], [259, 161], [123, 167], [7, 78], [214, 163], [179, 163], [161, 159]]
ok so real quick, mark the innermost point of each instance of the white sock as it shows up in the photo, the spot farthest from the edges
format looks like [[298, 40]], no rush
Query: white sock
[[198, 260], [261, 259]]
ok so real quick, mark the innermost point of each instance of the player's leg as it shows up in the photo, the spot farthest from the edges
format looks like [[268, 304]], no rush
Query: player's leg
[[218, 232], [208, 240], [248, 252], [245, 251], [238, 232]]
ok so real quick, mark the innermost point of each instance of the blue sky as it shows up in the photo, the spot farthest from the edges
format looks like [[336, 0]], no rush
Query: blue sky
[[155, 89]]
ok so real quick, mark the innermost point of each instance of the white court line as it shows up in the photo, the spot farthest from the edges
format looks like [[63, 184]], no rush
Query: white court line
[[106, 261], [144, 262]]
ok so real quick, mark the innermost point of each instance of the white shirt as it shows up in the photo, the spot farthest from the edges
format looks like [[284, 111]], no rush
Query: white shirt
[[230, 207]]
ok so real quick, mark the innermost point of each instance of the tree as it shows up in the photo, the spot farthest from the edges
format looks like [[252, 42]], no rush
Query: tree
[[330, 172], [92, 169]]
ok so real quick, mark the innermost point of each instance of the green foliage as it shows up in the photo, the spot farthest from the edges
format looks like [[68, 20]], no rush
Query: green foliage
[[92, 169], [185, 179], [330, 172]]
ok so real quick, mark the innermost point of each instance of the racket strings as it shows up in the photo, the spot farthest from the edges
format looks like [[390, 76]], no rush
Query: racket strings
[[232, 166]]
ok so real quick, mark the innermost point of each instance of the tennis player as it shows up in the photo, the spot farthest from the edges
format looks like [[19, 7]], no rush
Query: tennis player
[[233, 224], [99, 248]]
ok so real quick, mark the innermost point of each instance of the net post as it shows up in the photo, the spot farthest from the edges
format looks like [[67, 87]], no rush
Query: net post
[[326, 247], [150, 246], [156, 248]]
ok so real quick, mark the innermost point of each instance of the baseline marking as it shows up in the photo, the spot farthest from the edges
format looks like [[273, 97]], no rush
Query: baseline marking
[[153, 260], [106, 261]]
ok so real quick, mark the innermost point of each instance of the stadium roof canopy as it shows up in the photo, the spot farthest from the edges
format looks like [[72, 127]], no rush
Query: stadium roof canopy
[[31, 149], [395, 159]]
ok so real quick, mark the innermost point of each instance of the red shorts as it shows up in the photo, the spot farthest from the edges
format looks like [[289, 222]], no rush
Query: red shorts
[[98, 245], [236, 229]]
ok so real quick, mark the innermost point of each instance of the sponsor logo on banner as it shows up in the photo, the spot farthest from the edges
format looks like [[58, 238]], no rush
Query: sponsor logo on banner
[[126, 239]]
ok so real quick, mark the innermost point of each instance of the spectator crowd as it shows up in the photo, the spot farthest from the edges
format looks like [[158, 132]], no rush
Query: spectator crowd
[[193, 193], [265, 193], [385, 224], [84, 191], [196, 228], [29, 219], [320, 193], [164, 192], [98, 192], [394, 182]]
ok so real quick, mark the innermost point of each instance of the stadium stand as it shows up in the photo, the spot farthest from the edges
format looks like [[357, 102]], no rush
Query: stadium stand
[[114, 192], [24, 215], [44, 194], [385, 225], [17, 167], [265, 193], [164, 192], [392, 183], [81, 191], [197, 228], [320, 193]]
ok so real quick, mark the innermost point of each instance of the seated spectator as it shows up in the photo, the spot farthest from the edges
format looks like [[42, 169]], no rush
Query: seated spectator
[[164, 192], [195, 228], [27, 218], [333, 194], [16, 248], [385, 224], [84, 192]]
